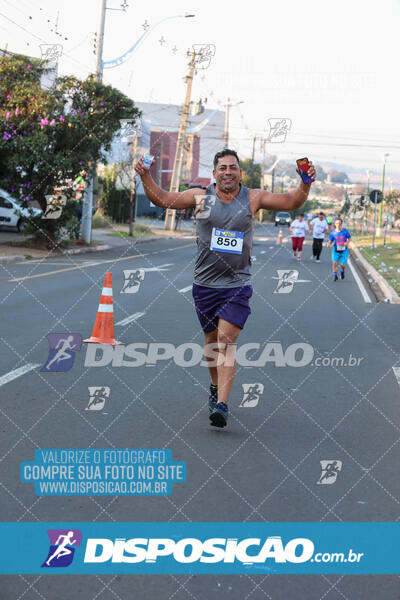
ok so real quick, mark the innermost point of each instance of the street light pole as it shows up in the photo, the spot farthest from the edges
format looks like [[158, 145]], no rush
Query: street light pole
[[383, 193], [261, 212], [365, 222], [177, 168], [87, 207], [368, 178]]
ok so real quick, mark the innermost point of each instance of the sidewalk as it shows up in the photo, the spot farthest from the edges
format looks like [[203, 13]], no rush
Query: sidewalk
[[184, 225], [101, 240]]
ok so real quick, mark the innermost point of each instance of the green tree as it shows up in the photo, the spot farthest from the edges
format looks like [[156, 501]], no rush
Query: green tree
[[309, 205], [251, 177], [49, 137]]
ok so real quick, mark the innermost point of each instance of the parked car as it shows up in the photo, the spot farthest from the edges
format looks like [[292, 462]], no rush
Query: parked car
[[12, 213], [282, 218]]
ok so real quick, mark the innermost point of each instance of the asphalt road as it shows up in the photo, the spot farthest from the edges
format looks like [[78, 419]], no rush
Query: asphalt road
[[263, 467]]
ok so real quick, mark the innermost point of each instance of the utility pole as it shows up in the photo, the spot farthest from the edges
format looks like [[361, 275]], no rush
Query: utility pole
[[100, 42], [226, 131], [160, 162], [87, 207], [228, 106], [132, 199], [254, 149], [177, 169]]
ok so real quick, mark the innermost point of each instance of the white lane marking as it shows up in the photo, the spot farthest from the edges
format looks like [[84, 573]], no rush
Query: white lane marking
[[396, 371], [360, 284], [131, 318], [160, 268], [17, 373], [44, 261], [185, 289], [97, 263]]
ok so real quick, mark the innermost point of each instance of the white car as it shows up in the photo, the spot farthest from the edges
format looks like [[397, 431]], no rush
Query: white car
[[12, 213], [282, 218]]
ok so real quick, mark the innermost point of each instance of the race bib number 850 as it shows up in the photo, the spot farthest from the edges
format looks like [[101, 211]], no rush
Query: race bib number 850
[[224, 240]]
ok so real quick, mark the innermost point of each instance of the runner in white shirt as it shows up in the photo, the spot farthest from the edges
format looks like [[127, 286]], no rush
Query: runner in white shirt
[[319, 228], [298, 230]]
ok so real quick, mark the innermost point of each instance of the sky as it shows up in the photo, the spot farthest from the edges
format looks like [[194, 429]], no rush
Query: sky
[[331, 68]]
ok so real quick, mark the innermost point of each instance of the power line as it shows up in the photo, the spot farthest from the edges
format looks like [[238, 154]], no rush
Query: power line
[[90, 70]]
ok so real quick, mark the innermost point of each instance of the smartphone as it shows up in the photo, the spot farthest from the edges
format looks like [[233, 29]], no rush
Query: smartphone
[[304, 166], [147, 160]]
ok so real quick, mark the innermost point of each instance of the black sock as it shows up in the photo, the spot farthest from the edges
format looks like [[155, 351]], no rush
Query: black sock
[[213, 392]]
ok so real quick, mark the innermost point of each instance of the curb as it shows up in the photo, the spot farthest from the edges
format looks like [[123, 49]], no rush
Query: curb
[[84, 250], [380, 287]]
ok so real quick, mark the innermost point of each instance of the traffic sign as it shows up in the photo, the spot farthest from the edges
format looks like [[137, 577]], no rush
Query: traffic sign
[[376, 196]]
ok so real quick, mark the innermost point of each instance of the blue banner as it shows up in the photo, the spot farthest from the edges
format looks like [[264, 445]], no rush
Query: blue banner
[[200, 548]]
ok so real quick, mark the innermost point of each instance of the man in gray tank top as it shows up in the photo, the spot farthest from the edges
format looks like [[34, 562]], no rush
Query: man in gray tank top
[[221, 290]]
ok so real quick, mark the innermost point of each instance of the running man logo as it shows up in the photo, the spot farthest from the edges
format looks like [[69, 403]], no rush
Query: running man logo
[[286, 280], [50, 52], [62, 547], [62, 351], [133, 279], [278, 129], [98, 397], [251, 394], [330, 469], [204, 54], [55, 205], [203, 206]]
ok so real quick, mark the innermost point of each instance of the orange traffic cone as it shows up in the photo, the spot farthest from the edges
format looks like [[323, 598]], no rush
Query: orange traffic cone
[[103, 331], [279, 240]]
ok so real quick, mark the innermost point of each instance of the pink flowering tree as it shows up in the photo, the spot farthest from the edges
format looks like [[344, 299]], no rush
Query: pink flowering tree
[[50, 137]]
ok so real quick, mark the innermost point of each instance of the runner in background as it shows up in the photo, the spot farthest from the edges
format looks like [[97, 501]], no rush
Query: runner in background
[[298, 230], [319, 228], [339, 239]]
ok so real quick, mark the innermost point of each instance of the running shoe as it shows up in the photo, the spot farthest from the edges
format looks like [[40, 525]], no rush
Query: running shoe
[[219, 416], [341, 274], [318, 260], [212, 398], [335, 277]]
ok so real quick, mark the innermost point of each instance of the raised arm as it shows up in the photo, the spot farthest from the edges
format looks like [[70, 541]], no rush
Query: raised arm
[[160, 197], [285, 201]]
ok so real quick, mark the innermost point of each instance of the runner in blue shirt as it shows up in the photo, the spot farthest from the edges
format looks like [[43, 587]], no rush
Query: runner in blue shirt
[[339, 238]]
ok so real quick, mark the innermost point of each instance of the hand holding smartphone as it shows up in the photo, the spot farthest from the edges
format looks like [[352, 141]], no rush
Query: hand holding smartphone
[[303, 165]]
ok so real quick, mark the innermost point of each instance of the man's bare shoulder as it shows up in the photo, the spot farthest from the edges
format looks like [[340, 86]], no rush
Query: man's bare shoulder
[[255, 192]]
